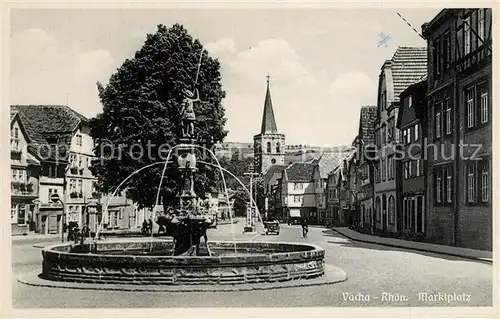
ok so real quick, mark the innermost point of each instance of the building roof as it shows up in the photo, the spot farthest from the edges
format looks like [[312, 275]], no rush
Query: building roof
[[300, 172], [367, 118], [273, 174], [45, 122], [50, 118], [327, 162], [268, 120], [409, 65]]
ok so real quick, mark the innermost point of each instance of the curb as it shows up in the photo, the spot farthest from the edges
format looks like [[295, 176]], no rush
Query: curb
[[480, 259], [332, 275]]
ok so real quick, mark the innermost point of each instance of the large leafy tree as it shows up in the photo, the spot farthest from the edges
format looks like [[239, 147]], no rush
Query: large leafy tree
[[141, 112]]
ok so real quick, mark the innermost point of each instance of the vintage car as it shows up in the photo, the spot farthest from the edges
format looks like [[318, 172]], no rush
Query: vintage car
[[272, 227]]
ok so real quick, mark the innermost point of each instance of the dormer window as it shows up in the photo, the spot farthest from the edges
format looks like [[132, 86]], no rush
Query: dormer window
[[79, 140], [410, 101]]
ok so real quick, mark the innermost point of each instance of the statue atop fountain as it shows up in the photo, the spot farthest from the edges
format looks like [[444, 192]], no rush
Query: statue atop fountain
[[187, 112], [189, 222]]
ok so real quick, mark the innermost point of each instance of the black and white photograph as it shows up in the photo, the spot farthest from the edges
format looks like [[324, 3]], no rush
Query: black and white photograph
[[262, 156]]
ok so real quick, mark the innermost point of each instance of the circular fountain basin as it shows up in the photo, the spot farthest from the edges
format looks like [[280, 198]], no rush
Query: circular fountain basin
[[151, 263]]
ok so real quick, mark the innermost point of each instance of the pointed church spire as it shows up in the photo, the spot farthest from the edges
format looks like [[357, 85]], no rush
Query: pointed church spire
[[268, 121]]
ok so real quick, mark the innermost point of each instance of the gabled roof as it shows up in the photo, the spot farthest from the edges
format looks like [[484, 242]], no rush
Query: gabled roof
[[273, 174], [268, 120], [300, 172], [409, 65], [327, 161], [50, 118], [367, 118], [43, 122]]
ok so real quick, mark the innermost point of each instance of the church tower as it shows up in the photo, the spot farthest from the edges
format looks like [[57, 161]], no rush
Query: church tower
[[269, 145]]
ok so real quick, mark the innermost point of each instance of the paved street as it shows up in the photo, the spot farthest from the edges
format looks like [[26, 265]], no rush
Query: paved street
[[372, 270]]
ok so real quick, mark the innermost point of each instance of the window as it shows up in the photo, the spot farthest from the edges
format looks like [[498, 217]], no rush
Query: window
[[21, 176], [14, 175], [51, 170], [460, 36], [16, 132], [79, 187], [449, 190], [405, 136], [383, 137], [480, 26], [470, 107], [392, 210], [80, 161], [384, 169], [72, 186], [448, 116], [268, 147], [439, 59], [406, 169], [438, 187], [485, 181], [471, 183], [410, 101], [390, 168], [78, 140], [13, 212], [416, 132], [438, 124], [417, 168], [484, 105], [377, 207], [436, 57], [447, 50], [467, 38], [121, 213], [21, 215], [278, 148], [297, 186], [297, 199]]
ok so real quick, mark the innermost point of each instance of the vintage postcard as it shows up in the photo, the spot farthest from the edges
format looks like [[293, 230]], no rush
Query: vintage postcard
[[275, 159]]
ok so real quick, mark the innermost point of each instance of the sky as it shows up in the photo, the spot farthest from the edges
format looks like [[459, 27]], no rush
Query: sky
[[323, 64]]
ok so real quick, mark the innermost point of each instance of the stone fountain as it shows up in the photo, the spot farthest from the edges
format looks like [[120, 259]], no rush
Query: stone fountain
[[179, 261]]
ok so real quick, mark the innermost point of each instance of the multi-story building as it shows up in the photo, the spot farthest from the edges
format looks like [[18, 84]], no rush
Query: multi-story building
[[80, 182], [269, 145], [351, 204], [298, 192], [48, 132], [61, 139], [408, 65], [365, 167], [25, 172], [322, 166], [459, 89], [411, 167], [271, 184], [121, 213], [332, 196]]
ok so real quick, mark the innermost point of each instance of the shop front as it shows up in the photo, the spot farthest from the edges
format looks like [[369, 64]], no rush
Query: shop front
[[49, 220], [21, 216]]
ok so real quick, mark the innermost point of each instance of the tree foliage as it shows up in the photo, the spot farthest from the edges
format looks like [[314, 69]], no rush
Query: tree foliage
[[141, 110]]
